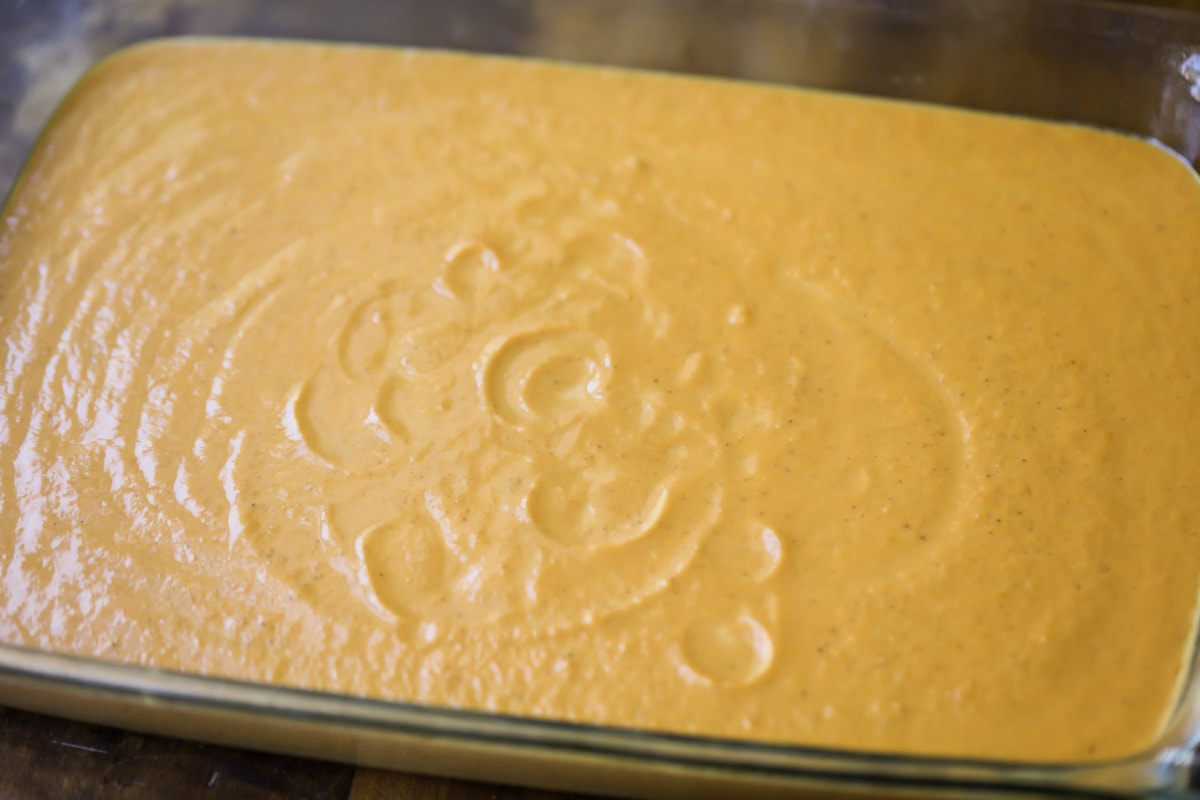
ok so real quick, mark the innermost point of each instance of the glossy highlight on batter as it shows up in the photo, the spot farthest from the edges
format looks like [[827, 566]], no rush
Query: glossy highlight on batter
[[603, 396]]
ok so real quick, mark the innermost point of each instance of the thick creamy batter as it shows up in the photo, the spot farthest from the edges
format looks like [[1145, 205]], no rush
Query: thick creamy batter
[[592, 395]]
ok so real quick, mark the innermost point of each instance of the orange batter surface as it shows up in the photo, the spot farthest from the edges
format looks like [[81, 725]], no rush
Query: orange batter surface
[[602, 396]]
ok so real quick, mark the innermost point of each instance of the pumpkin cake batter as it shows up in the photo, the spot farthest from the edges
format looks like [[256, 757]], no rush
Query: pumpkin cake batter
[[602, 396]]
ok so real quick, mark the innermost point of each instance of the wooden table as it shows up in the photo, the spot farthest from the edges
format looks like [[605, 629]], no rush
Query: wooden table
[[45, 757]]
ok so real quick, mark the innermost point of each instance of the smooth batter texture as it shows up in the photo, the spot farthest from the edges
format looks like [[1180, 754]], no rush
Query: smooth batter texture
[[592, 395]]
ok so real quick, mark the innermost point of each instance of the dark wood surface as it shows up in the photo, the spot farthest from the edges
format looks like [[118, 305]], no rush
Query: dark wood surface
[[46, 757]]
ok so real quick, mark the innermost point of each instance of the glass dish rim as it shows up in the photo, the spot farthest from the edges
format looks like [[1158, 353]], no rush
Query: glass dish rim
[[146, 685]]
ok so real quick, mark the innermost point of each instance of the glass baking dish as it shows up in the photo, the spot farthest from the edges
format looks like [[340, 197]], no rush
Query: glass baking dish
[[1127, 68]]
